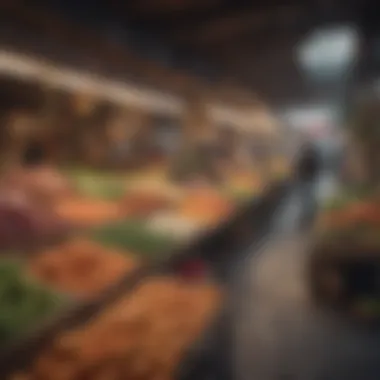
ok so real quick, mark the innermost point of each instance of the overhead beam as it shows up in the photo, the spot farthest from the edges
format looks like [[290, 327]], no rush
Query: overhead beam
[[34, 70], [81, 44]]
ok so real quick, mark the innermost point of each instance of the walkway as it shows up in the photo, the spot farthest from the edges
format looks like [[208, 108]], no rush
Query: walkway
[[279, 333]]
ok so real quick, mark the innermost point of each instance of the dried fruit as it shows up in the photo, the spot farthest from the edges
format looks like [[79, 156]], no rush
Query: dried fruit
[[143, 336], [81, 267]]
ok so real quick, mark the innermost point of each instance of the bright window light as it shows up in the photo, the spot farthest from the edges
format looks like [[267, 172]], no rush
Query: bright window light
[[329, 49]]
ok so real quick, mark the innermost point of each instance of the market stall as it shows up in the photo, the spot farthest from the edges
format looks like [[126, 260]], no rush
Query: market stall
[[180, 287], [88, 200], [346, 257]]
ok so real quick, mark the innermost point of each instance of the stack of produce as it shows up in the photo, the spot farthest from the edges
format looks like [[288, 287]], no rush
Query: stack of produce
[[352, 217], [160, 186], [23, 303], [143, 204], [144, 336], [23, 223], [43, 184], [205, 206], [86, 212], [27, 199], [81, 267], [134, 236], [98, 185], [344, 263], [242, 186], [172, 224]]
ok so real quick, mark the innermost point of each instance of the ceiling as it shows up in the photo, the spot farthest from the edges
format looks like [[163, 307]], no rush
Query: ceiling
[[250, 41], [244, 41]]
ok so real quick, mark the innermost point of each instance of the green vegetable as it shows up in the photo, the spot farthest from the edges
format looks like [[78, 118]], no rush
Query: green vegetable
[[23, 302], [134, 236], [98, 184]]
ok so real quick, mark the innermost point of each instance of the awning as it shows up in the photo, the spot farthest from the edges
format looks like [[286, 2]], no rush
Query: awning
[[27, 68]]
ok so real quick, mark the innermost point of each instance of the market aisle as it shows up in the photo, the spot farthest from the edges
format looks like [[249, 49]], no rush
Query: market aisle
[[279, 333]]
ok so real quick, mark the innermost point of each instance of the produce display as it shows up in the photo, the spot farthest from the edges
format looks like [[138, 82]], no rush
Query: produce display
[[134, 236], [42, 184], [143, 336], [81, 268], [354, 216], [344, 263], [23, 302], [78, 231], [23, 224], [98, 185], [172, 224], [242, 186], [85, 212], [207, 207], [149, 216], [157, 184], [143, 204], [98, 228], [27, 199]]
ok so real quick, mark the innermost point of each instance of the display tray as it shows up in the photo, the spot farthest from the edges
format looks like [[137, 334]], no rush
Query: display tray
[[213, 247]]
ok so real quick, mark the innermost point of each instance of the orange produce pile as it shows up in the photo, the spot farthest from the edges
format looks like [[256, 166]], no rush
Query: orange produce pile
[[205, 206], [144, 336], [87, 212], [81, 267], [142, 204]]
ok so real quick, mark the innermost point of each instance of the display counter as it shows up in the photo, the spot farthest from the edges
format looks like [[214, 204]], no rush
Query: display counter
[[89, 208], [185, 277]]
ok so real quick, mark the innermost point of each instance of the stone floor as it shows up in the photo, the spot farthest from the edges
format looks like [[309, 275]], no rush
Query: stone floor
[[279, 332]]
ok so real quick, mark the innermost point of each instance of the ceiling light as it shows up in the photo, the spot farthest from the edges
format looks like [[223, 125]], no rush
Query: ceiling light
[[329, 51]]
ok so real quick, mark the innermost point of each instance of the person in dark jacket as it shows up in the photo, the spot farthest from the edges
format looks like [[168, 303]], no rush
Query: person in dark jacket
[[309, 164], [307, 172]]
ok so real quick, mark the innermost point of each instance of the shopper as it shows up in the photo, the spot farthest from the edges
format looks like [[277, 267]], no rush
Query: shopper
[[307, 173], [308, 166]]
